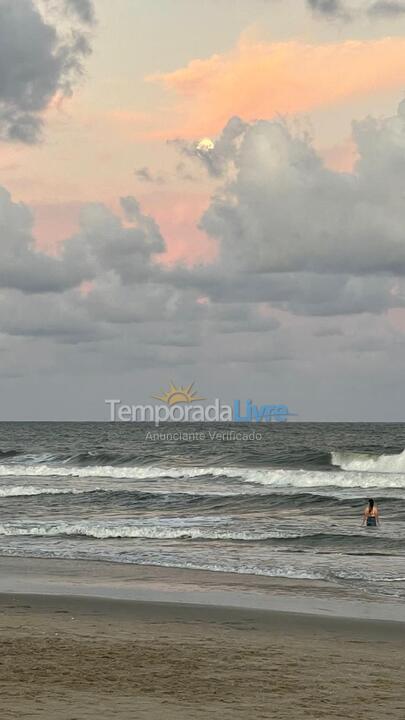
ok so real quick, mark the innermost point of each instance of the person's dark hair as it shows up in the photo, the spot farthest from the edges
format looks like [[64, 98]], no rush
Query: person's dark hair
[[371, 504]]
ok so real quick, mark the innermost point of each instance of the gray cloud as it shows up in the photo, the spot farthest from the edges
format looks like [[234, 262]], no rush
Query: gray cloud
[[145, 175], [62, 318], [183, 173], [387, 8], [84, 10], [23, 267], [285, 212], [326, 7], [297, 244], [104, 244], [215, 160], [37, 60], [328, 332], [347, 9], [301, 293]]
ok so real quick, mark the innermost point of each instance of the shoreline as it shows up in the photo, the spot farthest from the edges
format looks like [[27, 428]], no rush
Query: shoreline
[[187, 587]]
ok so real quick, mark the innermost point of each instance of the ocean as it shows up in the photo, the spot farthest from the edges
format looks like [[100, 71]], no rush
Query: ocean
[[285, 504]]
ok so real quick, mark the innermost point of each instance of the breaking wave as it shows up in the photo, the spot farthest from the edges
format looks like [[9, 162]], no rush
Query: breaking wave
[[105, 531], [27, 490], [366, 462], [361, 472]]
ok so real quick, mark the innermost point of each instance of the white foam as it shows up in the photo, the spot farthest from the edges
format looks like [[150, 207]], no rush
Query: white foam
[[27, 490], [106, 471], [110, 531], [270, 477], [364, 462]]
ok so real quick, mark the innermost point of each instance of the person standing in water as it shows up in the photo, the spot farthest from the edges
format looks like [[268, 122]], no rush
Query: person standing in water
[[371, 516]]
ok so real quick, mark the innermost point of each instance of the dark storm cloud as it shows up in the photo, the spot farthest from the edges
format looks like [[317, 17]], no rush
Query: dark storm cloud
[[36, 62]]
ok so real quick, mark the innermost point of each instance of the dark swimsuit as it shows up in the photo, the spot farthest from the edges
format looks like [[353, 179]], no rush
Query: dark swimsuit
[[371, 521]]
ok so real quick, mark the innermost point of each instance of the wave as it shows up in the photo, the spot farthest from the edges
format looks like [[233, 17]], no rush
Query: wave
[[67, 554], [271, 477], [291, 457], [9, 453], [104, 532], [289, 571], [27, 490], [79, 458], [107, 530], [107, 471], [367, 462]]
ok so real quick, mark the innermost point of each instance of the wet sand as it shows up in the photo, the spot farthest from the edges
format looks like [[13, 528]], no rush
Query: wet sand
[[148, 583], [81, 658]]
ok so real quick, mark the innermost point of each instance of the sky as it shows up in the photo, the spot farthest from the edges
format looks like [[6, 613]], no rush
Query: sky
[[209, 192]]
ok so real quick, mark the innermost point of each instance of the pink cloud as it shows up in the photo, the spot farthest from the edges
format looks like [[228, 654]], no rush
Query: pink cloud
[[178, 215], [396, 318], [54, 223], [86, 287], [342, 157], [259, 79]]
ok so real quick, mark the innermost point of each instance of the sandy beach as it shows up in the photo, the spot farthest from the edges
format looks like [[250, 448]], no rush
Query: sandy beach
[[78, 658]]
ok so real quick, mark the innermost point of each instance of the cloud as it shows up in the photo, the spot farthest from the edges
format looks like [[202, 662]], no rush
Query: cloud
[[328, 332], [22, 266], [146, 176], [326, 7], [215, 159], [183, 173], [84, 10], [292, 236], [264, 80], [285, 212], [105, 244], [61, 318], [177, 214], [42, 296], [235, 318], [297, 243], [387, 8], [299, 293], [38, 60], [346, 10]]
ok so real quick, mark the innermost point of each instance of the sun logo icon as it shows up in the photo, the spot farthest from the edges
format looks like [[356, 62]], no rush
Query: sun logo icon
[[175, 395]]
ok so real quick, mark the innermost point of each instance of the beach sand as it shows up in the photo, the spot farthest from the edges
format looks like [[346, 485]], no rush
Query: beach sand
[[65, 657]]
